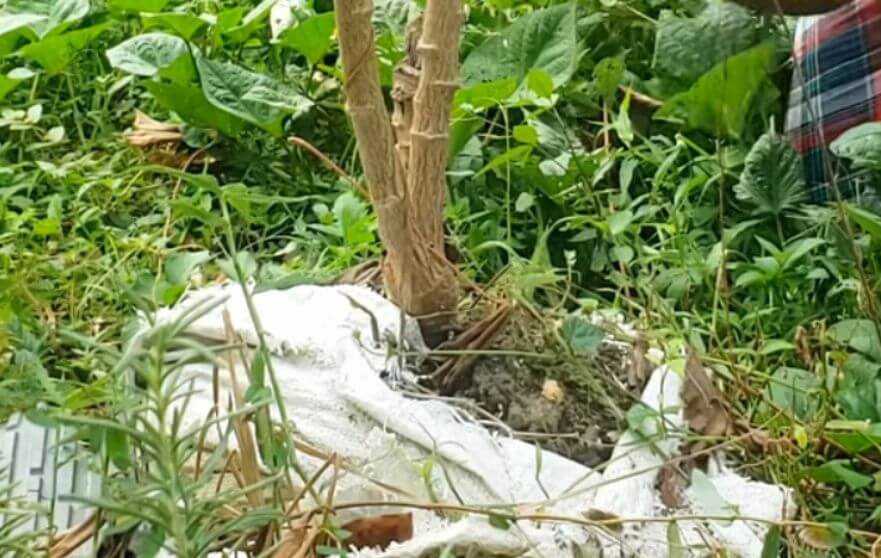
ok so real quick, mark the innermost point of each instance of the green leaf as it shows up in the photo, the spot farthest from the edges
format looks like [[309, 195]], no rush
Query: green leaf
[[180, 265], [47, 227], [771, 546], [55, 52], [860, 144], [147, 543], [312, 37], [685, 48], [185, 26], [500, 522], [251, 23], [643, 419], [540, 83], [859, 335], [524, 201], [795, 390], [12, 26], [583, 337], [608, 74], [11, 80], [149, 54], [513, 154], [118, 450], [137, 5], [859, 394], [485, 95], [54, 16], [190, 104], [352, 216], [675, 548], [525, 133], [542, 39], [250, 96], [619, 221], [772, 180], [719, 102], [868, 221], [839, 471], [244, 262]]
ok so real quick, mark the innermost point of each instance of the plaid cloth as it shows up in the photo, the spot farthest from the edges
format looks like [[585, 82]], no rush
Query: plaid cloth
[[836, 85]]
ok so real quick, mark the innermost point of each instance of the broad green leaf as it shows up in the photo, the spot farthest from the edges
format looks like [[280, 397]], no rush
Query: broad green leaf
[[771, 546], [253, 97], [116, 442], [859, 335], [150, 53], [137, 5], [525, 133], [868, 221], [524, 201], [719, 102], [857, 437], [190, 104], [147, 541], [513, 154], [12, 26], [860, 144], [772, 180], [352, 216], [183, 25], [241, 268], [540, 83], [608, 74], [795, 390], [180, 265], [544, 39], [11, 80], [619, 221], [685, 48], [583, 337], [859, 394], [312, 37], [485, 95], [252, 22], [55, 15], [839, 471], [55, 52]]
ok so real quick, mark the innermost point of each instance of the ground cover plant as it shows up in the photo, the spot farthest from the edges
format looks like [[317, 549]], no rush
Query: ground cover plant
[[602, 154]]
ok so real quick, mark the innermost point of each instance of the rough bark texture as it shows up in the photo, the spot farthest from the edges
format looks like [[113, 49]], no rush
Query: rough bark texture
[[405, 157]]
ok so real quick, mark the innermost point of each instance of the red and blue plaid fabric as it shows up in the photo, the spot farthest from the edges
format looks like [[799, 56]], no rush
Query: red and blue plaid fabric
[[836, 85]]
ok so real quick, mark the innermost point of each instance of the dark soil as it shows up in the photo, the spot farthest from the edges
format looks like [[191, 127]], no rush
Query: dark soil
[[572, 405]]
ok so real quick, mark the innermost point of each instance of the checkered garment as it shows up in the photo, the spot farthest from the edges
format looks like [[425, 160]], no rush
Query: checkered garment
[[836, 85]]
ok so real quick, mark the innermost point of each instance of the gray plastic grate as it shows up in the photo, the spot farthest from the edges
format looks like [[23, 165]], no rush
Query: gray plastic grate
[[46, 472]]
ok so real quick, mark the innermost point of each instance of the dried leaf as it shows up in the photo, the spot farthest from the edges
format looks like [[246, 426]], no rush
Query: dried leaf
[[148, 132], [803, 346], [640, 367], [379, 531], [703, 404], [671, 486]]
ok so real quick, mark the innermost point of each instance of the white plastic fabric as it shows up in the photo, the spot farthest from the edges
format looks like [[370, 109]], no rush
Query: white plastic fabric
[[331, 370]]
